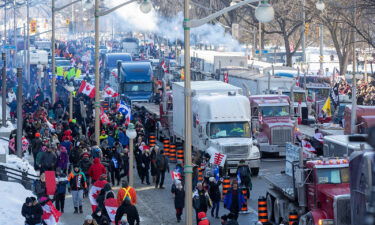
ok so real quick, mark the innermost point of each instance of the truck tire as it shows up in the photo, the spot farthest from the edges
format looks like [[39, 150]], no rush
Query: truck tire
[[254, 171], [270, 202]]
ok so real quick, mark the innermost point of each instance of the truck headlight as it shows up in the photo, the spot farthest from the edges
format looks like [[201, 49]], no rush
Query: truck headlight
[[325, 222], [254, 153]]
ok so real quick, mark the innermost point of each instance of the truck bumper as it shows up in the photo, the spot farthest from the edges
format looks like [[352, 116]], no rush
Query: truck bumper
[[233, 164], [272, 149]]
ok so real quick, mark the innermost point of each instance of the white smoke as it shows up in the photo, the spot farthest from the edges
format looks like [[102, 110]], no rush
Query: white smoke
[[133, 20]]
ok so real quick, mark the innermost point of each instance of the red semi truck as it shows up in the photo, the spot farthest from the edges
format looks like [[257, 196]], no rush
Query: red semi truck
[[365, 118], [315, 189]]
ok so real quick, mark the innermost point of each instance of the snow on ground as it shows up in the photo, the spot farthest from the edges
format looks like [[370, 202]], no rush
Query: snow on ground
[[7, 108], [13, 196], [10, 126], [3, 146]]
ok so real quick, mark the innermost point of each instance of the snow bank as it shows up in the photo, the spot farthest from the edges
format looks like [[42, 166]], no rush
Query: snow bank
[[12, 198], [3, 146], [10, 126], [23, 164]]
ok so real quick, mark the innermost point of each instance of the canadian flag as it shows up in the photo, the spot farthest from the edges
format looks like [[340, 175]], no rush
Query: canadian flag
[[164, 66], [111, 207], [95, 190], [109, 93], [176, 175], [50, 214], [87, 89], [104, 117]]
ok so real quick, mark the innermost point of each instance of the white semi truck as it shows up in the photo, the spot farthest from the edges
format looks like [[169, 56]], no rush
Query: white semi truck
[[221, 122]]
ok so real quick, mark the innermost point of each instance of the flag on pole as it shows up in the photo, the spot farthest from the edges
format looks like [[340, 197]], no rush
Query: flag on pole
[[125, 110], [110, 93], [87, 89], [164, 66], [104, 117], [327, 107], [95, 190], [111, 207]]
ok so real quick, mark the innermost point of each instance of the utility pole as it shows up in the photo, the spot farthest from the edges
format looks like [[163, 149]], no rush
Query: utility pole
[[28, 43], [321, 48], [188, 120], [14, 34], [260, 41], [19, 112], [353, 114], [97, 75], [4, 89], [53, 69], [303, 32]]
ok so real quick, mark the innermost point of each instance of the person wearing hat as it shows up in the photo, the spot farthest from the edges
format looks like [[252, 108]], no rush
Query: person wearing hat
[[48, 161], [77, 185], [36, 147], [215, 195], [179, 199], [32, 211], [126, 191], [89, 220], [130, 210]]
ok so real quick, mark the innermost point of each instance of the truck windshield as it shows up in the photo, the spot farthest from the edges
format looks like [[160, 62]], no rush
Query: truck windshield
[[333, 175], [229, 129], [298, 96], [138, 87], [272, 111]]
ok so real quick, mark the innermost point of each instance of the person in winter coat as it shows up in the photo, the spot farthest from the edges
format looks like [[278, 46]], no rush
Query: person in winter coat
[[74, 156], [126, 191], [96, 169], [115, 166], [215, 195], [61, 183], [48, 160], [123, 139], [77, 184], [243, 172], [125, 161], [138, 157], [100, 217], [161, 167], [154, 153], [146, 161], [36, 147], [39, 186], [63, 159], [32, 211], [130, 211], [85, 164], [201, 200], [67, 144], [234, 199], [90, 221], [179, 199], [202, 218], [101, 197], [232, 219]]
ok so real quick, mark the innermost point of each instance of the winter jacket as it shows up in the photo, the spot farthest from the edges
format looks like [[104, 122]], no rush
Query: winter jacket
[[122, 194], [111, 141], [96, 169], [33, 214], [179, 198], [48, 160], [67, 144], [74, 156], [115, 161], [85, 164], [146, 160], [77, 181], [244, 174], [101, 197], [203, 220], [123, 139], [36, 145], [201, 201], [61, 183], [39, 188], [63, 159], [130, 211], [228, 199], [102, 219], [214, 191], [162, 162]]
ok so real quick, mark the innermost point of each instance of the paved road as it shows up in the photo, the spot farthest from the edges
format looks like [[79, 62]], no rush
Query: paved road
[[156, 205]]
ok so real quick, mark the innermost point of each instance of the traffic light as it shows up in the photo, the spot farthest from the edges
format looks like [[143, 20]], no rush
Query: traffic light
[[67, 21], [307, 26], [33, 26]]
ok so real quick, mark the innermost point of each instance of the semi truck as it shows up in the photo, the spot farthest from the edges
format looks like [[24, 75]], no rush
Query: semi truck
[[131, 46], [221, 122], [315, 189], [271, 122], [365, 118], [135, 81]]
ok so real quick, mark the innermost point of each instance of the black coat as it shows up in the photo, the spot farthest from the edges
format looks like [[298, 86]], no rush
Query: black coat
[[214, 191], [131, 212], [48, 160], [36, 145], [179, 198], [33, 214], [146, 160], [102, 219]]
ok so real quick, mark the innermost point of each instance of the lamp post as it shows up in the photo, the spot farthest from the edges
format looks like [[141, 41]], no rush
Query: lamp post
[[145, 7], [320, 6], [264, 13], [131, 133], [70, 88], [54, 10]]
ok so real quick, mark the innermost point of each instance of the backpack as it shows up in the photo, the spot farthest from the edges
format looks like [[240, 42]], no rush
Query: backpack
[[160, 162]]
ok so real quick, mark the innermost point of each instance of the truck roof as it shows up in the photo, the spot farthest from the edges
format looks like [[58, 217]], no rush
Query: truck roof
[[204, 87], [343, 141], [328, 163], [268, 100], [137, 71]]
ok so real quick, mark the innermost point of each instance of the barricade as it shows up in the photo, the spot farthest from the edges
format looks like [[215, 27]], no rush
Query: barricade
[[226, 185], [244, 208], [172, 153], [200, 174], [166, 147], [262, 210], [180, 153], [293, 217], [152, 140]]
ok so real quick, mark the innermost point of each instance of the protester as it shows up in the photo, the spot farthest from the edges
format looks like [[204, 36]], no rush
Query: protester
[[126, 191], [179, 199], [130, 210], [234, 199], [161, 167], [96, 170], [146, 161], [100, 217], [215, 195], [32, 211], [201, 200], [77, 184], [61, 182], [115, 166], [90, 221], [203, 220]]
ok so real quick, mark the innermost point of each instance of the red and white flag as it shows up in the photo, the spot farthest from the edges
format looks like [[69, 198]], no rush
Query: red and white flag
[[95, 190], [218, 159], [164, 66], [50, 214], [176, 175], [104, 117], [87, 89], [109, 93], [111, 207]]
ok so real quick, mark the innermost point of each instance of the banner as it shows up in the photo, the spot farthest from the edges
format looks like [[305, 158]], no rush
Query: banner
[[218, 159], [50, 182]]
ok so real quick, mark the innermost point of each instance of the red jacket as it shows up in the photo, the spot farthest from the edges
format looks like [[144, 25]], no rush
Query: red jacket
[[96, 169], [203, 219]]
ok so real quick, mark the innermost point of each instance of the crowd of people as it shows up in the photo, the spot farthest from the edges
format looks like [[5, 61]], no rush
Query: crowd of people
[[365, 91]]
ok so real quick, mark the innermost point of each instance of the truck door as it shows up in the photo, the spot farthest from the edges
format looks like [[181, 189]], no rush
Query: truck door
[[310, 188]]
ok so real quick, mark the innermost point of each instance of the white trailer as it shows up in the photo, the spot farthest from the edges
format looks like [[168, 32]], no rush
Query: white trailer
[[220, 123]]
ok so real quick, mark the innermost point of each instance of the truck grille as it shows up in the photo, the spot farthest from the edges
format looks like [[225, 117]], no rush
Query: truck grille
[[281, 135], [342, 210], [237, 151]]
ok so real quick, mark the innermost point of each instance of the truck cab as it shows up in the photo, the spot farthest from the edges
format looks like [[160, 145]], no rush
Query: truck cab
[[271, 122], [136, 81]]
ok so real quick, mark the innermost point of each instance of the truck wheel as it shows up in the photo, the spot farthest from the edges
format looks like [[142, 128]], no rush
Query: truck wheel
[[269, 207], [254, 171]]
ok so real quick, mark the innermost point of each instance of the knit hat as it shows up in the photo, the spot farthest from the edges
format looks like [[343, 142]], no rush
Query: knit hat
[[89, 217], [37, 135]]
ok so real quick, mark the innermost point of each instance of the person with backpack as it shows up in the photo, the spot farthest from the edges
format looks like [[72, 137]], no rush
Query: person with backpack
[[244, 175], [161, 167]]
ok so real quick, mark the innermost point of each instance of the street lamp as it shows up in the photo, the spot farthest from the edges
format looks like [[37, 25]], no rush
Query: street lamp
[[320, 6], [131, 133], [70, 89], [54, 10], [264, 13], [144, 7]]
